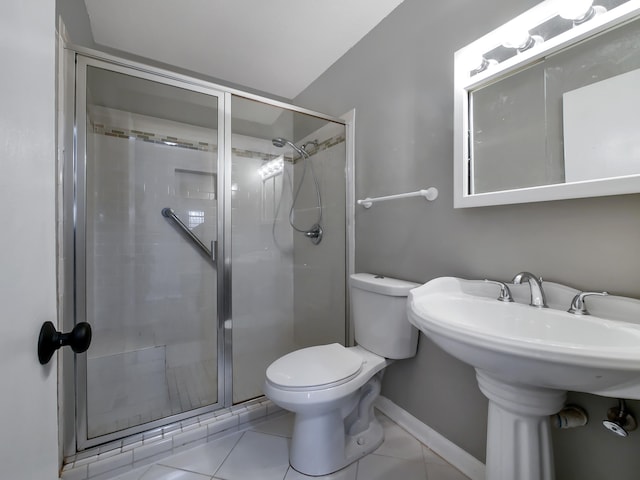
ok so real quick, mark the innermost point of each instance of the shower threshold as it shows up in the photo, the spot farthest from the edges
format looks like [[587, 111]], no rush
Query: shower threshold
[[141, 449]]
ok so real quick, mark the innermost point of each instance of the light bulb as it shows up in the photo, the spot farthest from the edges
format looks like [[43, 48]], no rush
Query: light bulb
[[575, 10], [271, 168], [517, 38], [480, 64]]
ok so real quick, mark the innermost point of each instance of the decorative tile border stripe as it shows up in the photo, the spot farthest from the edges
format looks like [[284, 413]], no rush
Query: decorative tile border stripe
[[239, 152], [328, 143], [116, 458], [150, 137], [323, 145]]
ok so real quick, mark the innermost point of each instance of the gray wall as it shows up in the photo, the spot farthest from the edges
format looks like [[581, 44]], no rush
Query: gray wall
[[76, 20], [400, 80]]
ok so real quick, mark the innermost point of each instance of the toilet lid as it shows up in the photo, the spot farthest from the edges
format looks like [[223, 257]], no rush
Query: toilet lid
[[314, 366]]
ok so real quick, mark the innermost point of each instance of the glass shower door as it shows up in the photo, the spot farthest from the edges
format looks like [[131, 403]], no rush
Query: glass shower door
[[146, 242], [288, 289]]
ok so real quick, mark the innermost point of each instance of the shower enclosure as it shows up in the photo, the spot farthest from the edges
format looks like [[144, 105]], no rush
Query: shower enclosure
[[183, 257]]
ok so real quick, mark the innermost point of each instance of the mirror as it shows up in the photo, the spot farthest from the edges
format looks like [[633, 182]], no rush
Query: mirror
[[546, 106]]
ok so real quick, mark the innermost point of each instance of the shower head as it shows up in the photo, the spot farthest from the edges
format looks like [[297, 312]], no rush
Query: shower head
[[315, 232], [280, 142]]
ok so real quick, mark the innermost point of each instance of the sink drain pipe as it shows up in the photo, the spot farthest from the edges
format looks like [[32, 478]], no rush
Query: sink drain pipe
[[619, 419], [571, 416]]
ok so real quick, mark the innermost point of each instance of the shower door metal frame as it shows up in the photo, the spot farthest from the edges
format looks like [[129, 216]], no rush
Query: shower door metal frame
[[85, 56], [80, 162]]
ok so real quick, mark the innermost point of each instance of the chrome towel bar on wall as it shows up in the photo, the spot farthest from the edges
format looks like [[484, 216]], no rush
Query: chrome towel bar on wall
[[429, 194]]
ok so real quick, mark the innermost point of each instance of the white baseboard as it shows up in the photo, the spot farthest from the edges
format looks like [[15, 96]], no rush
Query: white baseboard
[[452, 453]]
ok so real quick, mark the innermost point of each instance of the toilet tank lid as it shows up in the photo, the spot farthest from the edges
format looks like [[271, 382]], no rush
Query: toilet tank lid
[[381, 284]]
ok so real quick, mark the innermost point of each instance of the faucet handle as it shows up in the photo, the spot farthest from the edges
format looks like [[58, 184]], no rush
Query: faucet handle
[[505, 293], [578, 306]]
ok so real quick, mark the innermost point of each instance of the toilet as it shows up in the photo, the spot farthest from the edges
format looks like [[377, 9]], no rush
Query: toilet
[[331, 389]]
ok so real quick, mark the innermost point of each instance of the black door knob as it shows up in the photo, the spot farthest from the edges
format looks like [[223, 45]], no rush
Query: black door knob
[[51, 340]]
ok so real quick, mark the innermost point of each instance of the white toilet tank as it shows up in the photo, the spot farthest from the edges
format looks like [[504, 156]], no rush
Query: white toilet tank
[[379, 308]]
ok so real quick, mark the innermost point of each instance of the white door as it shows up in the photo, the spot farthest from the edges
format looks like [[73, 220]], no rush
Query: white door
[[28, 402]]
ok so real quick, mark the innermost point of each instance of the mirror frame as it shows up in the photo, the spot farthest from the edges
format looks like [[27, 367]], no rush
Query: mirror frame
[[464, 84]]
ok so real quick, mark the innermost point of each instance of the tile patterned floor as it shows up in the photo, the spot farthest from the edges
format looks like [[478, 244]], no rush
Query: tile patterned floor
[[261, 453]]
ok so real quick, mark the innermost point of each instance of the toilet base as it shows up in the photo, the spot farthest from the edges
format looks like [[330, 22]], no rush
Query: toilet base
[[334, 426], [330, 449]]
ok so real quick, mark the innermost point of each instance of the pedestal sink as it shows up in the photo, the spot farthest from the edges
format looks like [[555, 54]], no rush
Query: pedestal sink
[[527, 358]]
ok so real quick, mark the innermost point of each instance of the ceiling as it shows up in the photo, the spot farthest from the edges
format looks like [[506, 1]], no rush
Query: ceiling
[[277, 46]]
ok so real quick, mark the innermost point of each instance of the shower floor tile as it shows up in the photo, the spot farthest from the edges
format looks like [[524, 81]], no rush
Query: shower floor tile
[[261, 453], [121, 386]]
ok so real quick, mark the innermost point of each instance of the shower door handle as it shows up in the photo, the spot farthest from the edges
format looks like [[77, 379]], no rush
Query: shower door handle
[[51, 340]]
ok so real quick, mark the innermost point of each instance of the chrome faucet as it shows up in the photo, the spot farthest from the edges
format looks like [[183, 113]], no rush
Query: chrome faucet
[[537, 293]]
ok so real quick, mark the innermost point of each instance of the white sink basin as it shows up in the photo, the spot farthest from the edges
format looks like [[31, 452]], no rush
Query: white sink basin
[[543, 347], [526, 358]]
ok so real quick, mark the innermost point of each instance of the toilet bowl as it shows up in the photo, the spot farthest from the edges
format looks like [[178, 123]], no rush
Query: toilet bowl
[[322, 441], [331, 388]]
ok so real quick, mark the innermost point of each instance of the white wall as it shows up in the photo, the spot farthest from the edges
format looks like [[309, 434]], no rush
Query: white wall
[[28, 414]]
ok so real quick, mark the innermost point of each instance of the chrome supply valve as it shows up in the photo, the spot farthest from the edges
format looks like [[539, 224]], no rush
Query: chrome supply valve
[[578, 306], [505, 293], [535, 284], [620, 420]]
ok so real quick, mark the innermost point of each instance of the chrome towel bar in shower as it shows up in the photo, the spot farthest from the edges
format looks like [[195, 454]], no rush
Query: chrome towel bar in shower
[[168, 212], [430, 194]]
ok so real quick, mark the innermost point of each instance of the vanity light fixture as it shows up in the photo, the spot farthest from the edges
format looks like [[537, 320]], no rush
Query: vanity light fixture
[[271, 168], [535, 27]]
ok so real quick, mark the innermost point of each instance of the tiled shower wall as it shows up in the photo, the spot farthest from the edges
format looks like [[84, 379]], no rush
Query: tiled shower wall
[[154, 297], [262, 260], [320, 270], [150, 294]]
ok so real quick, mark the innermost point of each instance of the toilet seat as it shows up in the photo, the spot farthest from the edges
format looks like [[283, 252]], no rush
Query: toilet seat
[[322, 366]]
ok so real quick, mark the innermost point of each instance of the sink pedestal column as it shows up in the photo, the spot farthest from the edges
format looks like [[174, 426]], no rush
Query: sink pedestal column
[[518, 430]]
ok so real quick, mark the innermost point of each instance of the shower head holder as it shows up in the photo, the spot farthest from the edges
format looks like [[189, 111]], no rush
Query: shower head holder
[[314, 234]]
